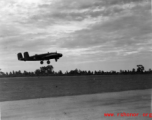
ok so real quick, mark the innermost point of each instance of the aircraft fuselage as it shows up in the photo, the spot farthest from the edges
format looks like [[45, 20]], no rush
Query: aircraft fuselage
[[39, 57]]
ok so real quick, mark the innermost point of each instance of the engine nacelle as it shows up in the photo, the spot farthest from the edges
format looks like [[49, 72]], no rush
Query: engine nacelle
[[19, 55], [26, 55]]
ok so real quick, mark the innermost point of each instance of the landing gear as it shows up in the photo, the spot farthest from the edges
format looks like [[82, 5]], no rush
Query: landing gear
[[56, 60], [48, 62], [41, 62]]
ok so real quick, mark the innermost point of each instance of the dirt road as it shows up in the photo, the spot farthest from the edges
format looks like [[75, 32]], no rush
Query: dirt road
[[82, 107]]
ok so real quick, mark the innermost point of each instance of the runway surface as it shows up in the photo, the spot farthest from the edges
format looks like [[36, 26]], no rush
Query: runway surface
[[82, 107]]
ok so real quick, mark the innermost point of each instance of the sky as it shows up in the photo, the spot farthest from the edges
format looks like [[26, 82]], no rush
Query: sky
[[91, 34]]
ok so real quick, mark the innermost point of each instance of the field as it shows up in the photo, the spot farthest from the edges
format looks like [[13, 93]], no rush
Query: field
[[19, 88]]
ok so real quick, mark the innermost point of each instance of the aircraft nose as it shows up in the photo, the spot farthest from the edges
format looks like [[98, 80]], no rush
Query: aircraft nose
[[61, 55]]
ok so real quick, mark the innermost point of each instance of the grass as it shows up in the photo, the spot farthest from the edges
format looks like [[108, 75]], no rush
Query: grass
[[19, 88]]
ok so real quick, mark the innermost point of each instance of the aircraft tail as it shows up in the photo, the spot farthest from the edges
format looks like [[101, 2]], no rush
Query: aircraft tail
[[19, 55], [26, 55]]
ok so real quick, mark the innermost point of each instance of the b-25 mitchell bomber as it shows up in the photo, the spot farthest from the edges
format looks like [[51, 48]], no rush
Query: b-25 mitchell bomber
[[39, 57]]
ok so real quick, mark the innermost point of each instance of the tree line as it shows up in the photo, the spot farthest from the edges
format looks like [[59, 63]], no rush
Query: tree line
[[49, 71]]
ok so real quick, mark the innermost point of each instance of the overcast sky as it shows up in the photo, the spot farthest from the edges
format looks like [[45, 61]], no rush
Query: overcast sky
[[91, 34]]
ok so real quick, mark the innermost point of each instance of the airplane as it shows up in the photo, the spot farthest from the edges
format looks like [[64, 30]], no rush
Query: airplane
[[39, 57]]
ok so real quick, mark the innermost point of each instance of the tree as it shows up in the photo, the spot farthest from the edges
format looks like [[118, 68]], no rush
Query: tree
[[37, 72], [60, 72], [6, 73], [43, 70], [66, 73], [13, 72], [25, 73], [49, 69], [1, 73], [140, 68], [10, 74], [133, 70]]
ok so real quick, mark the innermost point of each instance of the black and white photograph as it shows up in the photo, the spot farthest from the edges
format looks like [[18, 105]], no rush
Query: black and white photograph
[[75, 60]]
